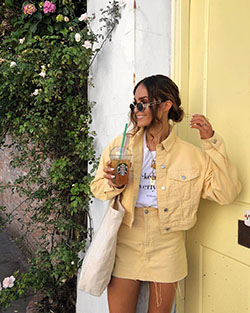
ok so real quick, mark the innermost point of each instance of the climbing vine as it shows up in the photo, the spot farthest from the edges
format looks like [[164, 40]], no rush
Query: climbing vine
[[46, 51]]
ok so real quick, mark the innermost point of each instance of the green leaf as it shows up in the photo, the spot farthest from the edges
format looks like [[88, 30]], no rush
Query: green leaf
[[9, 3], [38, 15], [48, 120], [64, 31], [33, 28], [50, 29]]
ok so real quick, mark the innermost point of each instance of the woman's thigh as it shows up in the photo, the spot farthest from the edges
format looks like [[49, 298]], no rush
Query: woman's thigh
[[123, 295], [161, 297]]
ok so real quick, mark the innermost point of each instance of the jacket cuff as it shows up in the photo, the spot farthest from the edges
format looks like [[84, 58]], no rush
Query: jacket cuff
[[212, 143], [109, 188]]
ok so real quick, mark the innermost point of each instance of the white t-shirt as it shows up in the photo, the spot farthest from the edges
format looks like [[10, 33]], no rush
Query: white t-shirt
[[147, 191]]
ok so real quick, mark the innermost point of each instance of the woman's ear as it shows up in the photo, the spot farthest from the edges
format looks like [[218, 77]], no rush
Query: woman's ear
[[167, 105]]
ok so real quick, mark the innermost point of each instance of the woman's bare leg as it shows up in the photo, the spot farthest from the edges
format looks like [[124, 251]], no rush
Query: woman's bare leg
[[123, 295], [161, 297]]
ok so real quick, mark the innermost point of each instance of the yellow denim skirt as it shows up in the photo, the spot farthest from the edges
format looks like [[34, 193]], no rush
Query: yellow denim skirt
[[144, 254]]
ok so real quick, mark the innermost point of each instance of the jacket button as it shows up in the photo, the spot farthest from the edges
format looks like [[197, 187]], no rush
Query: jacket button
[[162, 166], [163, 188], [165, 210], [168, 228], [183, 177], [214, 141], [146, 211]]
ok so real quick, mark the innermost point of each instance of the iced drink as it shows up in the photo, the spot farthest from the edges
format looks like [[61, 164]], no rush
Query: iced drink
[[121, 165]]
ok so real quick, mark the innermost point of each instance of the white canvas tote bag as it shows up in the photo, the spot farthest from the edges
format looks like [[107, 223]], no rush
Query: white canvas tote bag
[[99, 261]]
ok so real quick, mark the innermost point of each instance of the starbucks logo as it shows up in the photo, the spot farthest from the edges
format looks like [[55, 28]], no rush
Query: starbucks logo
[[122, 169]]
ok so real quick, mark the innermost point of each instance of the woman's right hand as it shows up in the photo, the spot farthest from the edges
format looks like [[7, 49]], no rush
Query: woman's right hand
[[109, 175]]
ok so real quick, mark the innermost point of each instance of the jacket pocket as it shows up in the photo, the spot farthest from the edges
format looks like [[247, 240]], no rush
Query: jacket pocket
[[184, 182]]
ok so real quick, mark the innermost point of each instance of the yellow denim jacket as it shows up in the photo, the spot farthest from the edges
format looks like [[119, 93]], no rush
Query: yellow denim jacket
[[184, 174]]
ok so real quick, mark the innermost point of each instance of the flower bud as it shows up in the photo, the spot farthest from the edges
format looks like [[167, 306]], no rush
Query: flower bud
[[59, 18]]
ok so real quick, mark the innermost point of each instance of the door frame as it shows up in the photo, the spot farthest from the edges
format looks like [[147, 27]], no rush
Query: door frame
[[180, 27], [180, 46]]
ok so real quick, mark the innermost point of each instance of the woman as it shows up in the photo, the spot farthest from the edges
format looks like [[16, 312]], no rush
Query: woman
[[168, 178]]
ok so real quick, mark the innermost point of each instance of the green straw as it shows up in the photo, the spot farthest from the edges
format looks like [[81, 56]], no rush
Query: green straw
[[123, 139]]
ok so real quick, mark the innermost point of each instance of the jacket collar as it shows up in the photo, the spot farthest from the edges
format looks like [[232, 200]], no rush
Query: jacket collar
[[167, 144], [170, 140]]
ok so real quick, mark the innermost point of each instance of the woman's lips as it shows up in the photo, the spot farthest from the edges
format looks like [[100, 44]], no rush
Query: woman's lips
[[139, 117]]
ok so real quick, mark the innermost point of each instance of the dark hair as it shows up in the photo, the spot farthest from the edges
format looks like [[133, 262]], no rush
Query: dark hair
[[160, 87]]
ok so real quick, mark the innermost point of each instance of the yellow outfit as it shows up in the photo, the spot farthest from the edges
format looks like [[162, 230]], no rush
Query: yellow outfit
[[184, 175], [150, 245], [144, 253]]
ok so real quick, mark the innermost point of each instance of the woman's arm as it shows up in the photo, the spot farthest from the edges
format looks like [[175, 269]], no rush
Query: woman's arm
[[102, 186], [221, 183]]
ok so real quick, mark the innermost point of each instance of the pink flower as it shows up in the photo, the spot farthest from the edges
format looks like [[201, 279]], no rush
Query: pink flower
[[8, 282], [49, 7], [22, 40], [29, 9], [87, 44], [83, 17]]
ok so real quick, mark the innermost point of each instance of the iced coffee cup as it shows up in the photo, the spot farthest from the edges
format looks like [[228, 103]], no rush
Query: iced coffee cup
[[120, 162]]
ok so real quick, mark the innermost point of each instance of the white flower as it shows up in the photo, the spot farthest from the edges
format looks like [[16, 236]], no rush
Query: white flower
[[77, 37], [12, 64], [22, 40], [72, 262], [35, 93], [8, 282], [42, 74], [66, 19], [43, 71], [87, 44], [83, 17]]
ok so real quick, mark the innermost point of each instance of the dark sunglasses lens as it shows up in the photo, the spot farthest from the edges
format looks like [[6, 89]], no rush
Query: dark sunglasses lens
[[140, 107]]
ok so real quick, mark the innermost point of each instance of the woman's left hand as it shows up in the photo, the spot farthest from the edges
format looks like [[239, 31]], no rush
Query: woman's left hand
[[200, 122]]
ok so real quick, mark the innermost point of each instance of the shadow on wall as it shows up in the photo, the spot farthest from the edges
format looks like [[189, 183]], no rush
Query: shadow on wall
[[142, 305]]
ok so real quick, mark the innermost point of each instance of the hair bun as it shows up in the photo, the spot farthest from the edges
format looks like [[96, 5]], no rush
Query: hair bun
[[176, 114]]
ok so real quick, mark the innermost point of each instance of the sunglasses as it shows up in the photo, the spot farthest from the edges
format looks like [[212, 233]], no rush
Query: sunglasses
[[142, 106]]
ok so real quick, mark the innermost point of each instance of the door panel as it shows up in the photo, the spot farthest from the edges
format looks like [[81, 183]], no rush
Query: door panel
[[219, 87]]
